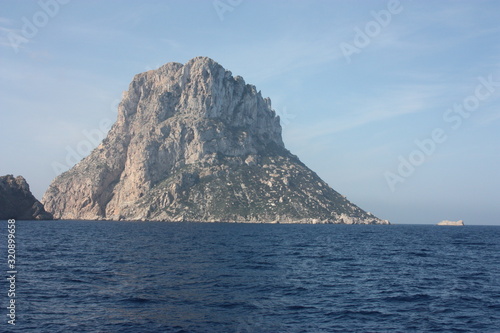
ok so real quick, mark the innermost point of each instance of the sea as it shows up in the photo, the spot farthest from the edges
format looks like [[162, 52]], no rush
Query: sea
[[87, 276]]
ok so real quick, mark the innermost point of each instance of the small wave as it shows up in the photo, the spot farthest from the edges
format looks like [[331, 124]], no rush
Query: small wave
[[230, 305], [419, 254], [135, 300], [340, 259], [299, 307], [73, 280], [350, 314], [408, 298], [472, 243]]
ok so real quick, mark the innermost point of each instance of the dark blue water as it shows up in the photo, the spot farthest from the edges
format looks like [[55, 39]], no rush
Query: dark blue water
[[76, 276]]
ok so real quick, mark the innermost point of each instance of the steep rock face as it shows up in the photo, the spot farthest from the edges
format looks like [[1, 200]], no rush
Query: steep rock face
[[17, 202], [194, 143]]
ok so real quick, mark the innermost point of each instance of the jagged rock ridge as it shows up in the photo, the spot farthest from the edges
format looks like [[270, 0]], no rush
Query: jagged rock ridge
[[17, 201], [194, 143]]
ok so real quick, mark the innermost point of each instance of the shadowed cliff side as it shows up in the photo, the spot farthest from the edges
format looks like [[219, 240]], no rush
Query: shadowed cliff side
[[17, 202]]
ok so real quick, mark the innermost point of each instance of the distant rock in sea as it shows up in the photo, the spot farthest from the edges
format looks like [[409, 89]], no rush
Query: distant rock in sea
[[453, 223], [193, 142], [17, 202]]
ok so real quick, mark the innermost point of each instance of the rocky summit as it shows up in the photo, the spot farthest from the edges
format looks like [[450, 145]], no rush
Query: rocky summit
[[194, 143], [17, 201]]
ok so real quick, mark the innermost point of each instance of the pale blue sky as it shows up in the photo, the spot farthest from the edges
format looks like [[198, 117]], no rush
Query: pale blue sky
[[349, 117]]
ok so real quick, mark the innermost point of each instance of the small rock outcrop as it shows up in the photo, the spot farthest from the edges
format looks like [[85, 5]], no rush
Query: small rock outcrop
[[17, 202], [452, 223], [193, 142]]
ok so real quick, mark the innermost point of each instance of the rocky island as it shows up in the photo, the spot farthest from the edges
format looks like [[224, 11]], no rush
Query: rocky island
[[17, 201], [193, 142], [452, 223]]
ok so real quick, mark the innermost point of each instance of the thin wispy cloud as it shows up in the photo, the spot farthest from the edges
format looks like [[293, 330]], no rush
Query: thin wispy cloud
[[271, 61], [6, 34], [172, 43], [6, 21], [422, 30], [490, 117], [398, 103]]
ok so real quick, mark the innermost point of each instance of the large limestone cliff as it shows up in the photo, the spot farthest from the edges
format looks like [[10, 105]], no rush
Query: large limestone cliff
[[17, 201], [194, 143]]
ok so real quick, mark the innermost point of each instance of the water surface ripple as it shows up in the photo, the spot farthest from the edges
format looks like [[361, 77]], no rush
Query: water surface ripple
[[80, 276]]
